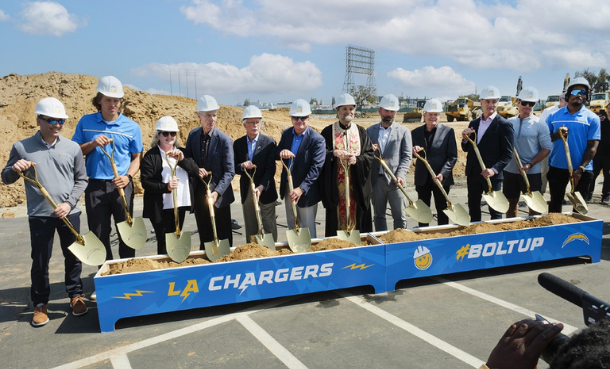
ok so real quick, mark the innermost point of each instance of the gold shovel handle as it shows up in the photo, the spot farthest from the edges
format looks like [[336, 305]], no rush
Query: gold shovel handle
[[523, 174], [345, 164], [478, 154], [290, 189], [393, 177], [257, 210], [116, 175], [569, 159], [434, 179]]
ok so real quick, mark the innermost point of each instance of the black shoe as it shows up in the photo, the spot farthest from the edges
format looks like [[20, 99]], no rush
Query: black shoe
[[234, 224], [605, 200]]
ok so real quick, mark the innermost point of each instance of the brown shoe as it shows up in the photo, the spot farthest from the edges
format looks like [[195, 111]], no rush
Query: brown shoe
[[78, 306], [40, 316]]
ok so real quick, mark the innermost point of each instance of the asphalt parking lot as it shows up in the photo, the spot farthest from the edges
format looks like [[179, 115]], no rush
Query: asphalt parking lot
[[452, 321]]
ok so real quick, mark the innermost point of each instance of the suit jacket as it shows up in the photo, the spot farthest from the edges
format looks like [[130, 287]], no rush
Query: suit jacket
[[442, 155], [264, 159], [219, 162], [496, 147], [307, 166], [397, 154], [154, 187]]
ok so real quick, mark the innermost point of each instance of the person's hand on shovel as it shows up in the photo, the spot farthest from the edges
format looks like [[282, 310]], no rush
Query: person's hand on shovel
[[172, 184], [213, 197], [286, 154], [121, 181], [62, 210], [176, 153], [22, 165]]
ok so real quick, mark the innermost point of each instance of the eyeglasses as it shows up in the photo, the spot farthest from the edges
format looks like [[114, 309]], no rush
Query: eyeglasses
[[52, 121], [165, 134], [300, 118], [528, 103], [578, 92]]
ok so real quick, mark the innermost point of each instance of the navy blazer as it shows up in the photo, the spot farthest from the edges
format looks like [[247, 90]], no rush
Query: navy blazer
[[219, 162], [264, 159], [442, 156], [307, 166], [496, 147]]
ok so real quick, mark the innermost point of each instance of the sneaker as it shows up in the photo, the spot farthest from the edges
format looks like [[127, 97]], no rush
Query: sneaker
[[93, 296], [40, 316], [78, 306], [605, 200]]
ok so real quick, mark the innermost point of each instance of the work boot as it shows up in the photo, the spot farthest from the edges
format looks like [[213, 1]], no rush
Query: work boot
[[40, 317], [78, 306]]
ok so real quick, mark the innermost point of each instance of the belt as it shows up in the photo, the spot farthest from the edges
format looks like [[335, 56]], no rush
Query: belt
[[99, 180]]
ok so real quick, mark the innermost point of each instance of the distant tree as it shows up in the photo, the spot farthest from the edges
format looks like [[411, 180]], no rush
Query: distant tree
[[333, 101], [247, 102], [362, 95], [599, 82], [313, 101], [473, 97]]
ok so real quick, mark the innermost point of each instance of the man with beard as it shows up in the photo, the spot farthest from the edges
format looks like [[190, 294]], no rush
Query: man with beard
[[394, 144], [582, 128], [347, 146]]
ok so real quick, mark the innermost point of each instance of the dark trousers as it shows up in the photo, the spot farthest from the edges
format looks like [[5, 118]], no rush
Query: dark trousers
[[102, 201], [204, 223], [425, 192], [601, 164], [167, 225], [477, 185], [42, 232], [558, 180]]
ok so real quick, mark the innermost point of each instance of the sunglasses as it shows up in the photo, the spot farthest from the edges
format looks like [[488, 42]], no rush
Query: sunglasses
[[528, 103], [165, 134], [578, 92], [53, 121], [300, 118]]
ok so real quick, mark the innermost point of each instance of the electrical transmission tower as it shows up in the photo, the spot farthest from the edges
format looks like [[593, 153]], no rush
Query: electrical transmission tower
[[359, 60]]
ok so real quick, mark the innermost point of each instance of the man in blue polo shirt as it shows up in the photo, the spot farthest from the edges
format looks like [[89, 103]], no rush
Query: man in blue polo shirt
[[581, 126], [95, 131]]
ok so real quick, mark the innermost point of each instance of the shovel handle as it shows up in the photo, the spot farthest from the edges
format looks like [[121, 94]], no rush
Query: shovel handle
[[121, 191], [523, 174], [394, 179], [569, 160], [347, 196], [478, 154], [434, 179]]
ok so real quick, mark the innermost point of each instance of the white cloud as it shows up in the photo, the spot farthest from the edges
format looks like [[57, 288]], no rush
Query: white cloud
[[3, 16], [443, 80], [48, 18], [520, 35], [266, 73]]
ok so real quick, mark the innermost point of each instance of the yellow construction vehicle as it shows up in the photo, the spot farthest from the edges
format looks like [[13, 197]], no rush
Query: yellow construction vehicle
[[552, 100], [507, 107], [599, 101], [414, 114], [463, 109]]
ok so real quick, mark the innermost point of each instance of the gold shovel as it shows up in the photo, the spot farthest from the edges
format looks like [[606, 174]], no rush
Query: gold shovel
[[495, 199], [417, 210], [87, 248], [214, 249], [455, 212], [261, 238], [132, 231], [534, 200], [351, 235], [178, 245], [299, 239], [580, 205]]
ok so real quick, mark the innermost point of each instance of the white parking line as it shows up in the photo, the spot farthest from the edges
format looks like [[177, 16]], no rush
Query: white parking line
[[417, 332], [270, 343], [567, 329], [120, 362]]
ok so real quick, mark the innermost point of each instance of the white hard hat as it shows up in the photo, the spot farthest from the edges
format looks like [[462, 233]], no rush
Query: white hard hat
[[490, 92], [579, 81], [345, 99], [167, 124], [529, 93], [433, 106], [110, 86], [421, 250], [300, 108], [389, 102], [207, 103], [251, 111], [51, 107]]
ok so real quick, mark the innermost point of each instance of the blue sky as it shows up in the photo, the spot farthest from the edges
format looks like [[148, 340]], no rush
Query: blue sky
[[280, 50]]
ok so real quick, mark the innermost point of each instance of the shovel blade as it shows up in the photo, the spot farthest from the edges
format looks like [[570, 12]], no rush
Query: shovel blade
[[217, 249], [579, 204], [92, 252], [299, 241], [420, 212], [353, 236], [266, 240], [134, 236], [536, 202], [497, 201], [458, 215], [178, 248]]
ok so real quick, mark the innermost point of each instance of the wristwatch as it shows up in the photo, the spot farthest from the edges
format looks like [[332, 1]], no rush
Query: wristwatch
[[130, 177]]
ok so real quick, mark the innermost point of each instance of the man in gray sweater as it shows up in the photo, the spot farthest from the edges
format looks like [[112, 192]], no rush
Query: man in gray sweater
[[61, 170]]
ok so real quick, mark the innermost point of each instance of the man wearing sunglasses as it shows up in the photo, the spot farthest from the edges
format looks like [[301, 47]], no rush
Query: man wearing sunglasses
[[582, 128], [61, 171], [533, 144]]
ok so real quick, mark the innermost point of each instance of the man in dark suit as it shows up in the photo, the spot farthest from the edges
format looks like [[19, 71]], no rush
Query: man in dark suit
[[303, 151], [256, 150], [212, 150], [438, 141], [494, 138]]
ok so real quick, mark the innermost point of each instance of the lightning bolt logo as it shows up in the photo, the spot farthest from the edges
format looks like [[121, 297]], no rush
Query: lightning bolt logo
[[128, 296], [359, 266], [463, 251], [575, 237]]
